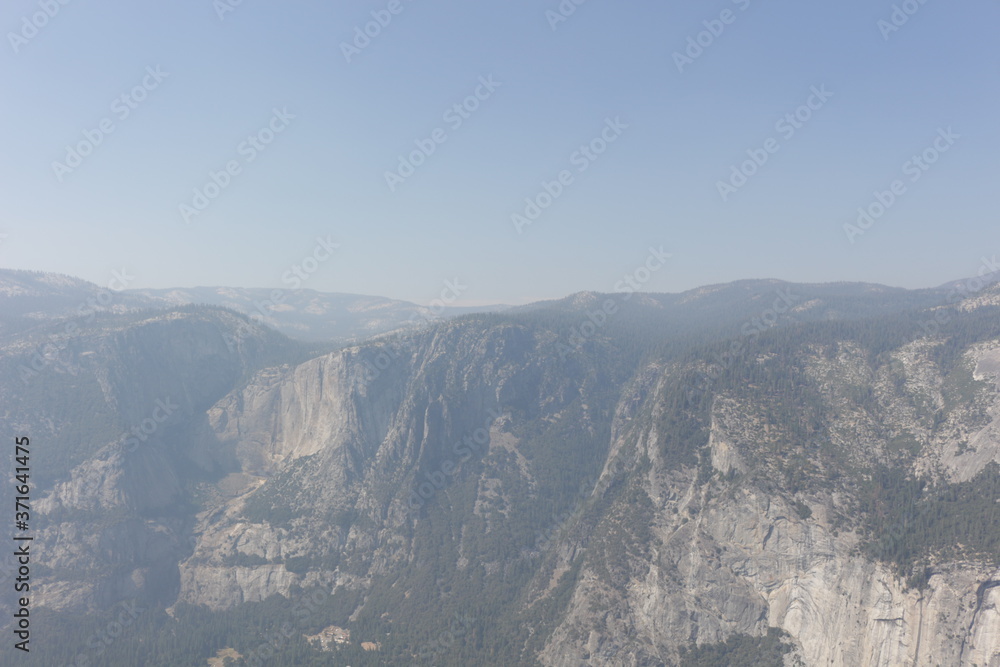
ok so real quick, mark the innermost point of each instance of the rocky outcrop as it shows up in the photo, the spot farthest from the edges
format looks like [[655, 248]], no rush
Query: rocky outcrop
[[118, 523], [734, 558], [625, 510]]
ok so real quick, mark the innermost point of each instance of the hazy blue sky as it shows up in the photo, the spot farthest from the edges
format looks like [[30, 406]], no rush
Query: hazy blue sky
[[655, 185]]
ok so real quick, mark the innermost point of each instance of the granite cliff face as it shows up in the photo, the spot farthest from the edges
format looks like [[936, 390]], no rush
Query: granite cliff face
[[602, 499], [705, 555], [737, 558], [114, 411]]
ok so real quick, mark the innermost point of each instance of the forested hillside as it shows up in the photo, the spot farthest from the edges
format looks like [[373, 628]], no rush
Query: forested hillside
[[751, 473]]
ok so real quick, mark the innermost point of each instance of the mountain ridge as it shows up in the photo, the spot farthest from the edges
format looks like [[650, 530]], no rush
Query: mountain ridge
[[678, 477]]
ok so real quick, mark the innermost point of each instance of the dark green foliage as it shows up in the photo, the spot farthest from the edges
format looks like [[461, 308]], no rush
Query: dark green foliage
[[740, 651], [272, 629], [74, 405], [298, 564], [246, 560], [909, 522]]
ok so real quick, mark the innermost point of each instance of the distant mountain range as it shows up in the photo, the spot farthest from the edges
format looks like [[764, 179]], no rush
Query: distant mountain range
[[755, 473], [306, 314], [301, 314], [28, 297]]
